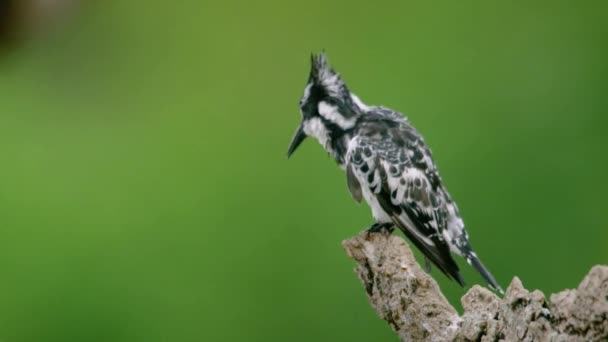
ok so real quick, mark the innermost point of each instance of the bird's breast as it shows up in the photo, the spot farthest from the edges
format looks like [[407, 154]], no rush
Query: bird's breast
[[377, 212]]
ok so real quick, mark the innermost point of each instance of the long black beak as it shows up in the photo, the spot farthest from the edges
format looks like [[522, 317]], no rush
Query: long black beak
[[296, 140]]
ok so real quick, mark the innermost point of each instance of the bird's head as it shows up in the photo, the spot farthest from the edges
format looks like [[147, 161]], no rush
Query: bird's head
[[328, 108]]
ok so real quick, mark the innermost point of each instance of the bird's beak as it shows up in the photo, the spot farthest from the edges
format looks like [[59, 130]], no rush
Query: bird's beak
[[296, 140]]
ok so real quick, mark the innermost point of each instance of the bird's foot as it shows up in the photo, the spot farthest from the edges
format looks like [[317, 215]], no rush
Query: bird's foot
[[385, 228]]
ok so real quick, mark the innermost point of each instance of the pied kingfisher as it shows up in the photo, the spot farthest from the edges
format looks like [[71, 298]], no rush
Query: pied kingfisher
[[388, 164]]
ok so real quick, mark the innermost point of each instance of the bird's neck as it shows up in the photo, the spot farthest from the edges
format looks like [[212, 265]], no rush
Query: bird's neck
[[339, 146], [335, 124], [333, 138]]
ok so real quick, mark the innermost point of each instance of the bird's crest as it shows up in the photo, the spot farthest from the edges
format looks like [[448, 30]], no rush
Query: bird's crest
[[322, 74]]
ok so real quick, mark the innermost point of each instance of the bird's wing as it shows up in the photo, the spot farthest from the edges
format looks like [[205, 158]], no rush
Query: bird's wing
[[396, 169]]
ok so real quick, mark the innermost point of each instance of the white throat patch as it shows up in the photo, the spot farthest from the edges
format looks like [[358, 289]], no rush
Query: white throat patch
[[315, 128]]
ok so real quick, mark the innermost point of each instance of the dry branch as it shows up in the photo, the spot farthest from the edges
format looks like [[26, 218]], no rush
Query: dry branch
[[411, 302]]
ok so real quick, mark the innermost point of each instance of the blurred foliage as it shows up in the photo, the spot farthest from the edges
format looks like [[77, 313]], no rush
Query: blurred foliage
[[144, 189]]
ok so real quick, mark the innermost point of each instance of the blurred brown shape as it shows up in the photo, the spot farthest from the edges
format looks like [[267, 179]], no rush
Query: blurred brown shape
[[8, 16], [21, 18]]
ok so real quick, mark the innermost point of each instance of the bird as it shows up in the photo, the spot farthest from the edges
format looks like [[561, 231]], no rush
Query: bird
[[389, 165]]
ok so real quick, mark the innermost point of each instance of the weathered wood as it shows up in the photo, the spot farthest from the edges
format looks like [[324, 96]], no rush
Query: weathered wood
[[410, 300]]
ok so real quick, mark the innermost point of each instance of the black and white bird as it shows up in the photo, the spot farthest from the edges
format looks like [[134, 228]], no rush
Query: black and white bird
[[388, 164]]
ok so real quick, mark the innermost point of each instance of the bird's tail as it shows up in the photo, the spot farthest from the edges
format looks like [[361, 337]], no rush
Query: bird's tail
[[474, 261]]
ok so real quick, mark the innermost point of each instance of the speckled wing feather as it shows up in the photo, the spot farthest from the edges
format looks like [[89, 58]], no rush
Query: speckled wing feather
[[397, 177]]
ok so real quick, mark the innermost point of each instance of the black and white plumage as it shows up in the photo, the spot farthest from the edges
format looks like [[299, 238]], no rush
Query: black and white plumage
[[388, 164]]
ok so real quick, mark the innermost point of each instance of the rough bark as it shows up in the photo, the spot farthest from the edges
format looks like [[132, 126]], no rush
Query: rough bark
[[411, 302]]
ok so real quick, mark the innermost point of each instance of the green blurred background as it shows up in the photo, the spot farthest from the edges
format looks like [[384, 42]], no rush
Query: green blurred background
[[145, 194]]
